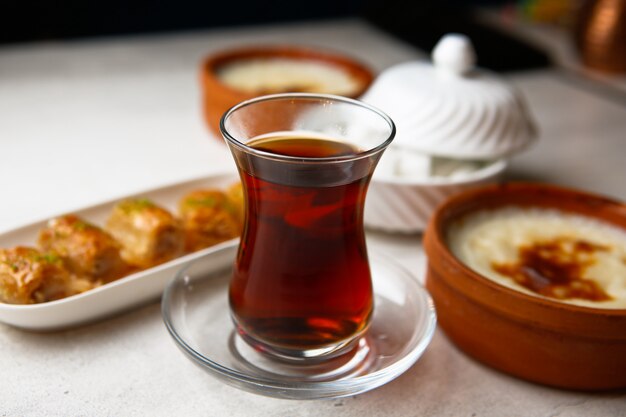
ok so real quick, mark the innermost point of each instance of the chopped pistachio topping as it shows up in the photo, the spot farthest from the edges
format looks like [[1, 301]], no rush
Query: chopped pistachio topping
[[15, 266], [50, 258], [33, 256], [135, 205], [209, 201], [81, 225]]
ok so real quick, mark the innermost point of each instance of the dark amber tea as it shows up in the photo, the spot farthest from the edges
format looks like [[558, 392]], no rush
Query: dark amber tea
[[302, 279]]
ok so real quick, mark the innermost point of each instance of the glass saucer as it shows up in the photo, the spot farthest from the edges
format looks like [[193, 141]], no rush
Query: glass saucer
[[195, 311]]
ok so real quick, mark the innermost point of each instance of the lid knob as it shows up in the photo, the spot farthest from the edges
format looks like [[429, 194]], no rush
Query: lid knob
[[454, 53], [451, 108]]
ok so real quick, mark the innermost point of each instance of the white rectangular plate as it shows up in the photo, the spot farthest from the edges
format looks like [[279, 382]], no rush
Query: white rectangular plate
[[133, 290]]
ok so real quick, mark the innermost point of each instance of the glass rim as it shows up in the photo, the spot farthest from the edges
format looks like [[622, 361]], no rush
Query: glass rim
[[311, 96]]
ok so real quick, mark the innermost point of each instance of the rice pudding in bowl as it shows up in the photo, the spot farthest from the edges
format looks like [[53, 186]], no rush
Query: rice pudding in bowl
[[548, 253], [234, 75], [260, 76], [496, 258]]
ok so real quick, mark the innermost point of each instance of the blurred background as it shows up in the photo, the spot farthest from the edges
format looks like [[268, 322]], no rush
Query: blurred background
[[420, 23], [59, 19], [597, 28], [84, 83]]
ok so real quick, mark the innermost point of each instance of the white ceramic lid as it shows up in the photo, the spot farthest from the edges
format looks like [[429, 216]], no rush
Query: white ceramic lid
[[450, 108]]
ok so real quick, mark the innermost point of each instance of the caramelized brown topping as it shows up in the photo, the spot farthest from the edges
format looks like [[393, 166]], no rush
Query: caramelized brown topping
[[555, 269]]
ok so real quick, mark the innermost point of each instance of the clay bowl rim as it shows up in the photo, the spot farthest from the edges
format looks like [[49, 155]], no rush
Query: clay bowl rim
[[212, 63], [454, 208]]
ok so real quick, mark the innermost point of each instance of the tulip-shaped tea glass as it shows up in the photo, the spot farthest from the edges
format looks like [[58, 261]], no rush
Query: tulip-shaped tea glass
[[301, 287]]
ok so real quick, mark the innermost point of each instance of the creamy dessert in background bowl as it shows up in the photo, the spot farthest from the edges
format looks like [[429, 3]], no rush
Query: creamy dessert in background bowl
[[531, 280], [235, 75]]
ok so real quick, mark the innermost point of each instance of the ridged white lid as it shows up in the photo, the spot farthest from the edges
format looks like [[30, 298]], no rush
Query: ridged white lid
[[450, 108]]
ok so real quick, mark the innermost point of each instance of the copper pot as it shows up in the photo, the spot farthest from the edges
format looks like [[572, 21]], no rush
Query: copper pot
[[601, 35]]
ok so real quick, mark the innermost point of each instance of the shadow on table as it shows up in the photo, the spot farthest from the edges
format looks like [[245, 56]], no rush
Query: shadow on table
[[520, 175], [134, 323]]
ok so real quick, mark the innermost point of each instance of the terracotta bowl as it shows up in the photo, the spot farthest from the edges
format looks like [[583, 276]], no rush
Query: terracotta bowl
[[218, 97], [534, 338]]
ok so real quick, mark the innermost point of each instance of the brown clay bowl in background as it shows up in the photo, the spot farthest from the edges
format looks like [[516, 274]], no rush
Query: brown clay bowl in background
[[218, 97], [534, 338]]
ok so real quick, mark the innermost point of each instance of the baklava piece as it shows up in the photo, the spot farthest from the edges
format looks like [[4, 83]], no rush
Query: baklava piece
[[28, 276], [209, 217], [149, 234], [235, 195], [87, 250]]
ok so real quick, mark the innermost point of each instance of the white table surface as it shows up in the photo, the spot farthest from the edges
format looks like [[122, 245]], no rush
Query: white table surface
[[87, 121]]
